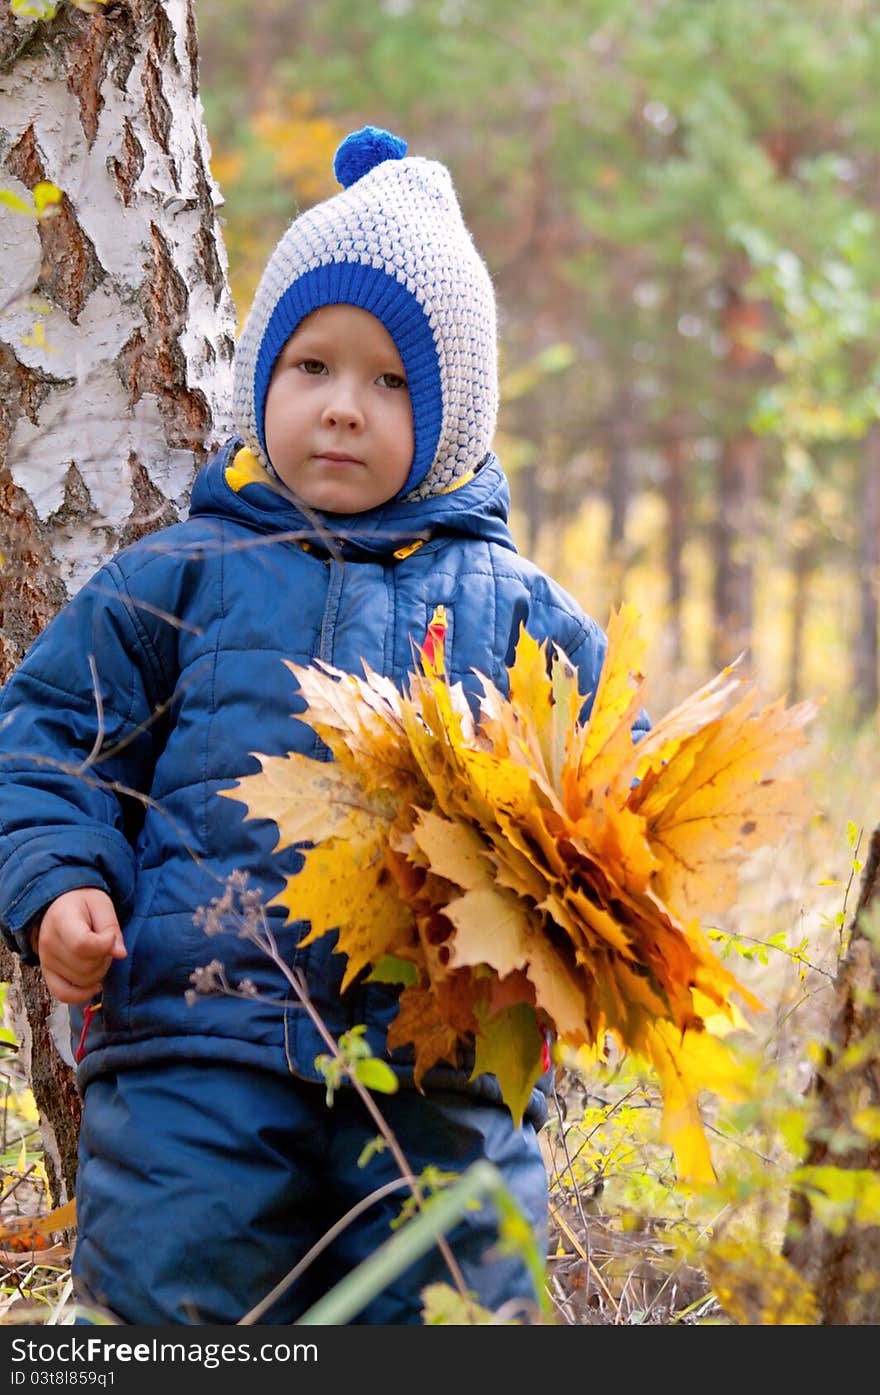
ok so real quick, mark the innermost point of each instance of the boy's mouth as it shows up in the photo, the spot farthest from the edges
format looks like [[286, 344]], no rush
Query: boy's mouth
[[337, 457]]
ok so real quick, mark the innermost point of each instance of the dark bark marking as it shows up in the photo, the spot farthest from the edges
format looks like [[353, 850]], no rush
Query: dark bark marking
[[153, 361], [70, 269], [127, 171], [159, 115], [86, 67], [192, 49], [149, 508]]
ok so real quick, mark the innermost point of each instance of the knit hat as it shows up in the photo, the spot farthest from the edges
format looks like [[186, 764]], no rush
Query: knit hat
[[393, 243]]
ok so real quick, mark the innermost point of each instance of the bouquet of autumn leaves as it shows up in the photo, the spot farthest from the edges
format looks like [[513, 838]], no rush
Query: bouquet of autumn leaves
[[527, 871]]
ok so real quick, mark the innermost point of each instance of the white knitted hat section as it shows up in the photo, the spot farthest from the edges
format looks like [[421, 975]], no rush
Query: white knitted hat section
[[403, 218]]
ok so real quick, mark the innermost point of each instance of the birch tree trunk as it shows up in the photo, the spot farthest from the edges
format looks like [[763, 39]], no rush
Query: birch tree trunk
[[116, 338]]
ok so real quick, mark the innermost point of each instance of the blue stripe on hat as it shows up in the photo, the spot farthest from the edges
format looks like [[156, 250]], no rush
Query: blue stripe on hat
[[372, 289]]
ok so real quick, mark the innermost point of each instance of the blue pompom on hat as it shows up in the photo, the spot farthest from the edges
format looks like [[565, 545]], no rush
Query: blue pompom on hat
[[363, 150], [393, 242]]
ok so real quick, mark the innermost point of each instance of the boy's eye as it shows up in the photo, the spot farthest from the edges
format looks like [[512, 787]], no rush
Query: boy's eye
[[312, 365], [392, 380]]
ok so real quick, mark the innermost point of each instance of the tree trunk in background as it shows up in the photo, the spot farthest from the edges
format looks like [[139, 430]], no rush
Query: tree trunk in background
[[116, 338], [803, 561], [676, 493], [533, 505], [843, 1266], [865, 657], [738, 482], [620, 484], [738, 472]]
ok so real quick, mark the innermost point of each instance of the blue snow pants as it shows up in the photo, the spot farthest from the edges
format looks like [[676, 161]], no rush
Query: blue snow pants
[[202, 1185]]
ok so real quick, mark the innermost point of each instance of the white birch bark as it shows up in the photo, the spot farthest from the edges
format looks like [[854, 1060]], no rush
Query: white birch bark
[[116, 338]]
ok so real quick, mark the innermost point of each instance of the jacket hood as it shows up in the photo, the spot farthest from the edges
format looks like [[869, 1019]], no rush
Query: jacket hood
[[234, 485]]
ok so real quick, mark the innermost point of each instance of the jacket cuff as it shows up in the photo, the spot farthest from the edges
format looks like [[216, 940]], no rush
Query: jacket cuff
[[19, 941]]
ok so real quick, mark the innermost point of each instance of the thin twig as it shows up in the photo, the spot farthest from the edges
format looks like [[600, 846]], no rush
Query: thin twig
[[17, 1183], [590, 1266], [297, 983], [311, 1255], [99, 713]]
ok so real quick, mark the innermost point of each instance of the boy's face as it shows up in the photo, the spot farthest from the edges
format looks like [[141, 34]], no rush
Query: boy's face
[[339, 428]]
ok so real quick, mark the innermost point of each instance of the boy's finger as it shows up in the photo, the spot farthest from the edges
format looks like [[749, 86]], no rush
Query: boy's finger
[[105, 925], [82, 972], [106, 943], [67, 992]]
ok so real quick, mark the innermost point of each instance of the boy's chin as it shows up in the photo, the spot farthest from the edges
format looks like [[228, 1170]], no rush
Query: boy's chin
[[338, 506]]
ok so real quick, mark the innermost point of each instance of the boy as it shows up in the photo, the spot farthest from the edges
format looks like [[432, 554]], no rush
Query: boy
[[360, 495]]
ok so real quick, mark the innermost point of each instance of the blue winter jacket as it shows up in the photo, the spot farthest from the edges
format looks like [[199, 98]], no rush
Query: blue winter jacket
[[186, 632]]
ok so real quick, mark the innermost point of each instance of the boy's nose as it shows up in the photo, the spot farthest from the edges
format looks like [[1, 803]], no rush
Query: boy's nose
[[343, 412]]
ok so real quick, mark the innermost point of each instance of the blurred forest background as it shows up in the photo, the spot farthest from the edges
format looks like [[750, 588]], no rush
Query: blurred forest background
[[678, 201]]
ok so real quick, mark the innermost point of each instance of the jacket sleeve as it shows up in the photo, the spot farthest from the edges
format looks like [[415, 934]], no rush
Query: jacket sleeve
[[80, 719]]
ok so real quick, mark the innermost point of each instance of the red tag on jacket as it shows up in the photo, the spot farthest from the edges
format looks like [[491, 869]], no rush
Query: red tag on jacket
[[433, 647], [91, 1009]]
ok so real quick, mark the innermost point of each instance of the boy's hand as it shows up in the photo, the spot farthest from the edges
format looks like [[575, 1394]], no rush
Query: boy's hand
[[77, 941]]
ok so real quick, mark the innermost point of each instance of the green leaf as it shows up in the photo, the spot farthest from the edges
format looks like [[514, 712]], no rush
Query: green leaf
[[840, 1196], [510, 1047], [390, 969], [375, 1075], [442, 1305], [371, 1149]]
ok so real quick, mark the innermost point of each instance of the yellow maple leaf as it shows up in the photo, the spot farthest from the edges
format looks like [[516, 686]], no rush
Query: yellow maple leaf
[[347, 885], [309, 800], [686, 1063], [712, 802], [601, 744]]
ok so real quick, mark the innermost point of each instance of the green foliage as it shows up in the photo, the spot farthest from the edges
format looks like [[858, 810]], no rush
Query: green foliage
[[839, 920], [355, 1061], [391, 969], [747, 947], [841, 1196]]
